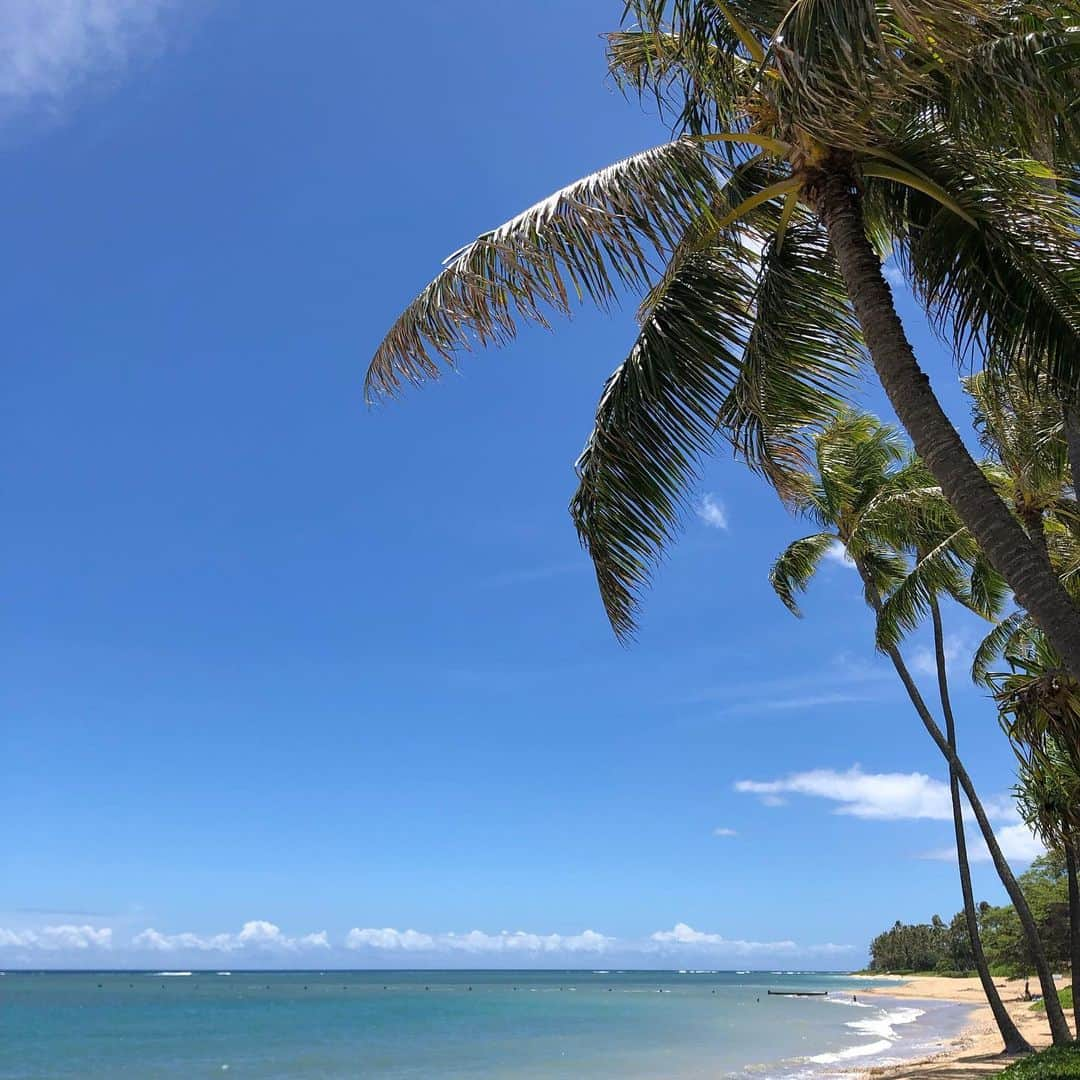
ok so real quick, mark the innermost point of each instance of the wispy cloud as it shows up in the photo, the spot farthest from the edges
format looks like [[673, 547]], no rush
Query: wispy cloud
[[256, 934], [882, 796], [924, 661], [49, 49], [526, 575], [798, 701], [712, 511], [894, 275], [722, 830]]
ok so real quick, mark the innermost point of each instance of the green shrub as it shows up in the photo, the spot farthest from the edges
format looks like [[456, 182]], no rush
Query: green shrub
[[1065, 995], [1057, 1063]]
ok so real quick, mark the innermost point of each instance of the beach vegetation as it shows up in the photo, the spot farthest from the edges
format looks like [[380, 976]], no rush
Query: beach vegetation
[[1055, 1063], [1065, 996]]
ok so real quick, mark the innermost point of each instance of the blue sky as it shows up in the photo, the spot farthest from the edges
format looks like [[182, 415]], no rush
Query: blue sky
[[285, 678]]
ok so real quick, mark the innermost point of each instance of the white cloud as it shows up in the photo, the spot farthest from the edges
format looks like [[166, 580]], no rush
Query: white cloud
[[722, 830], [1017, 842], [256, 934], [712, 511], [48, 48], [65, 936], [837, 553], [682, 936], [476, 941], [884, 796], [388, 938]]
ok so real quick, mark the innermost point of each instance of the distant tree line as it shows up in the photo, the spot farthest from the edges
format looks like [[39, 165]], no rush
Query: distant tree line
[[946, 946]]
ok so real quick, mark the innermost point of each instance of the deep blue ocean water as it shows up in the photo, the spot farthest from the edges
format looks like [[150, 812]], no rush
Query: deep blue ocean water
[[479, 1025]]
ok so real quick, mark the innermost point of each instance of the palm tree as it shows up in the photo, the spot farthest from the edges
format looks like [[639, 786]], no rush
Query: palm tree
[[1048, 797], [865, 496], [1039, 706], [827, 128]]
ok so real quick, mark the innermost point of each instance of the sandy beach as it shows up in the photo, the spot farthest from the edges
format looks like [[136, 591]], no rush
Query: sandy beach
[[976, 1051]]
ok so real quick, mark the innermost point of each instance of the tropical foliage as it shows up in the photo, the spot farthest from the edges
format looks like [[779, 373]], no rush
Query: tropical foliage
[[941, 946], [811, 141], [808, 134]]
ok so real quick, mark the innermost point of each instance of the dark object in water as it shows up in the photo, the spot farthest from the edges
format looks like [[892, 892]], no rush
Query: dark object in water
[[798, 993]]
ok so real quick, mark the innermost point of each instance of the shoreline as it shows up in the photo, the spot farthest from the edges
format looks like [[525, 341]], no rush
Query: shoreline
[[976, 1051]]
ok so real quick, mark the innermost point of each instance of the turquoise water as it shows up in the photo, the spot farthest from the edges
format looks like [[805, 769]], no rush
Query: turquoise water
[[480, 1025]]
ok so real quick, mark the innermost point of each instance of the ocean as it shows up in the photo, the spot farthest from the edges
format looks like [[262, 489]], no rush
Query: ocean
[[459, 1025]]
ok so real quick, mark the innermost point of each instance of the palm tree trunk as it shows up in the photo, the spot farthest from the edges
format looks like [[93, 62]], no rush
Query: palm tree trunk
[[1071, 424], [937, 442], [1071, 860], [1059, 1027], [1015, 1043]]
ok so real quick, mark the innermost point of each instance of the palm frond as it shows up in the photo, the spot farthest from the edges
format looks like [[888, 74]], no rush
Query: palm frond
[[656, 416], [580, 242], [797, 564], [1007, 287], [941, 571], [1018, 86], [1012, 629], [801, 359]]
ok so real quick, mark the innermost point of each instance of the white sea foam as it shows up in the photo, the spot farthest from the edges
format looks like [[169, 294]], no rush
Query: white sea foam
[[882, 1027], [849, 1001], [155, 974], [865, 1050], [222, 972]]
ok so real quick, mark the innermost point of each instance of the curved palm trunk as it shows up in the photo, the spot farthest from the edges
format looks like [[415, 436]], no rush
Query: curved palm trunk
[[937, 442], [1071, 424], [1015, 1043], [1059, 1027], [1071, 860]]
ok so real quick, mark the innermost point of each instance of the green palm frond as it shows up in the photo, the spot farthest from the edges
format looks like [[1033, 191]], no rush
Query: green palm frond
[[796, 566], [942, 571], [656, 416], [847, 65], [752, 359], [718, 224], [700, 86], [1009, 286], [580, 242], [1018, 86], [1012, 630], [882, 570], [802, 357]]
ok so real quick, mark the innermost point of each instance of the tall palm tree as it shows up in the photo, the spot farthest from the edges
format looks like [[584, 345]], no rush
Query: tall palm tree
[[1049, 797], [827, 128], [1039, 705], [864, 496]]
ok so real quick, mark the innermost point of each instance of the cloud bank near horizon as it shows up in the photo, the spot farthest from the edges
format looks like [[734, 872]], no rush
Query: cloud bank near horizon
[[260, 938]]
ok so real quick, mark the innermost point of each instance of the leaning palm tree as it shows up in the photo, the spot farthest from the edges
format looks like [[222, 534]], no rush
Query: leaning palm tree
[[863, 495], [1039, 708], [1048, 793], [824, 130]]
